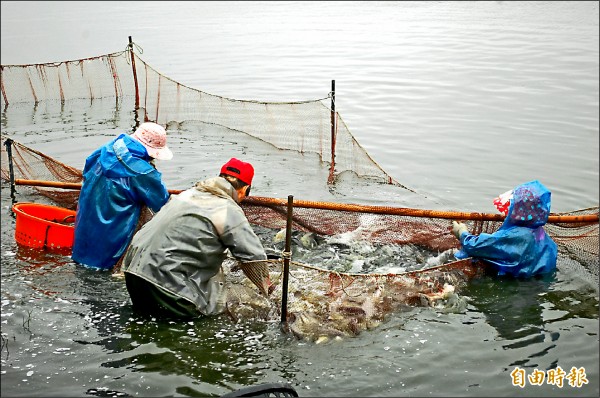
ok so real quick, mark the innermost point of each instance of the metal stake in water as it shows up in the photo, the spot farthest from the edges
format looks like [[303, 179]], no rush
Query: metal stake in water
[[286, 261], [11, 171]]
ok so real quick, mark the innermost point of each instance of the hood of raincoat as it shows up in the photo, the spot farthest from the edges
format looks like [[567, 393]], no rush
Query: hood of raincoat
[[124, 157], [529, 207], [218, 186]]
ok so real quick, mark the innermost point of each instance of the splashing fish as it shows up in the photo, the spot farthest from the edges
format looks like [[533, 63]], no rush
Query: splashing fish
[[325, 306]]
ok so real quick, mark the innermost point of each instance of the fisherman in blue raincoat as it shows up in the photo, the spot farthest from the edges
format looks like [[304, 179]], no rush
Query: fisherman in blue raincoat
[[521, 247], [119, 179]]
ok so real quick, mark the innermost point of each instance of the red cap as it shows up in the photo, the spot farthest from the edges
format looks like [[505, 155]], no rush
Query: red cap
[[242, 170]]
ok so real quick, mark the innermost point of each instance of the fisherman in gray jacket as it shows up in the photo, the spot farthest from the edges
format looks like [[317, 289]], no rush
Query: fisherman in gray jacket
[[173, 265]]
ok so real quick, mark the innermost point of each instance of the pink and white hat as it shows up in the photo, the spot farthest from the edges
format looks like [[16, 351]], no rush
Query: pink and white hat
[[154, 138], [502, 202]]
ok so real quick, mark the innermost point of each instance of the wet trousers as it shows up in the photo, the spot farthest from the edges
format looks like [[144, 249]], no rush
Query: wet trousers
[[150, 300]]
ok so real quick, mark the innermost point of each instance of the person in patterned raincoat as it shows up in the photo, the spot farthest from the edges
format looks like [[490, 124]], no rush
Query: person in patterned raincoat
[[520, 247]]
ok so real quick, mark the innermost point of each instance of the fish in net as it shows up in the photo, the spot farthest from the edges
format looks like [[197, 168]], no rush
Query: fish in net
[[324, 305]]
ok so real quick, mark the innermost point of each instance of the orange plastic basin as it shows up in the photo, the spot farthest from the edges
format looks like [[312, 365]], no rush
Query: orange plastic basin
[[44, 226]]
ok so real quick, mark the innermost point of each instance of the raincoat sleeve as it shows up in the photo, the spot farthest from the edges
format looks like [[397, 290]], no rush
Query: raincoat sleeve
[[151, 190], [506, 249], [241, 240]]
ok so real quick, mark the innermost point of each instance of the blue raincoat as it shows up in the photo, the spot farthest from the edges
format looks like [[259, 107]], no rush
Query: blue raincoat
[[118, 180], [520, 247]]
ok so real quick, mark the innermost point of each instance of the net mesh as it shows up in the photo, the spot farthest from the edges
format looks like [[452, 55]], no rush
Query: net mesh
[[27, 163], [340, 304], [351, 265], [304, 126]]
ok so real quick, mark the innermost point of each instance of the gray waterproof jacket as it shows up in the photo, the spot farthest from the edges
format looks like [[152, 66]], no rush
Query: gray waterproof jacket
[[182, 247]]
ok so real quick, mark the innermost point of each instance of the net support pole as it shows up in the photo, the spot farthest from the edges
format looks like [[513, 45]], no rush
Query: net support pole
[[11, 171], [3, 90], [286, 261], [135, 81], [355, 208], [333, 131]]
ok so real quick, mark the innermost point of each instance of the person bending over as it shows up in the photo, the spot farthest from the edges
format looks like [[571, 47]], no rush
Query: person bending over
[[173, 268], [119, 179]]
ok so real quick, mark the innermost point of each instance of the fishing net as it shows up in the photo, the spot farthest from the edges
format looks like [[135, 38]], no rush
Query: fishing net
[[22, 162], [350, 265], [322, 305], [303, 126], [576, 232]]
